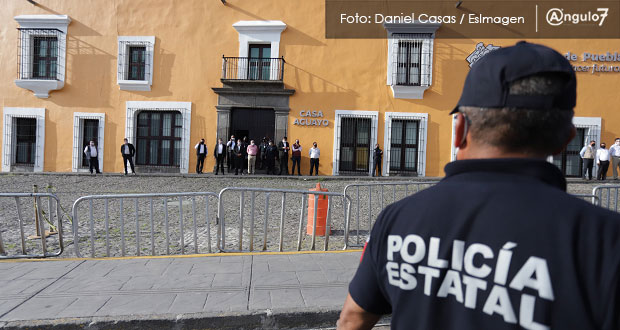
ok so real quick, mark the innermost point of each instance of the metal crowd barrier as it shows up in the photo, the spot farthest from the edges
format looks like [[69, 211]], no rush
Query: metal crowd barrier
[[33, 220], [378, 195], [144, 216], [589, 198], [607, 196], [269, 208]]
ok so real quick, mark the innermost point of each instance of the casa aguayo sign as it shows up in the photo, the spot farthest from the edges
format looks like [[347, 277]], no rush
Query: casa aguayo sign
[[311, 118], [586, 62]]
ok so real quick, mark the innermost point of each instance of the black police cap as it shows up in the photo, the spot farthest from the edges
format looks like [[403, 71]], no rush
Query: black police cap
[[487, 83]]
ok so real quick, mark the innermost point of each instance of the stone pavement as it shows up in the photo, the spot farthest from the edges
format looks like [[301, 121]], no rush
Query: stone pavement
[[301, 290]]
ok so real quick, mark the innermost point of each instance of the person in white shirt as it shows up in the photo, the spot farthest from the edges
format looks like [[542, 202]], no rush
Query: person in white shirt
[[315, 153], [91, 153], [614, 152], [201, 153], [602, 160], [219, 152]]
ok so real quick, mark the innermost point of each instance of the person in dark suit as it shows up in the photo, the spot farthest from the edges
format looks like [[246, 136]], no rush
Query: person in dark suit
[[128, 151], [271, 153], [377, 155], [238, 157], [283, 148], [201, 152], [219, 152]]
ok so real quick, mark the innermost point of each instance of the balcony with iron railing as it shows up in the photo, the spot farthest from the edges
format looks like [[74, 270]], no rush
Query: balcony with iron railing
[[252, 69]]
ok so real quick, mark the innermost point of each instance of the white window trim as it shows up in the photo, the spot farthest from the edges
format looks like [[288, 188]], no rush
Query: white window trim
[[128, 41], [186, 111], [259, 32], [422, 136], [453, 149], [78, 148], [339, 114], [41, 87], [409, 92], [8, 139]]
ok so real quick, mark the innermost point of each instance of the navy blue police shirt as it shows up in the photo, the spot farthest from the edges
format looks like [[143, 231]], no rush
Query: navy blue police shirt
[[497, 244]]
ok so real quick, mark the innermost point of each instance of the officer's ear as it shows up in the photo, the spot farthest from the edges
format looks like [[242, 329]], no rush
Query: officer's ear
[[573, 133], [460, 130]]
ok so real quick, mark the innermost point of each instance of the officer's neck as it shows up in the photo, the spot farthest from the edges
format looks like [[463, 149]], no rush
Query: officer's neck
[[485, 151]]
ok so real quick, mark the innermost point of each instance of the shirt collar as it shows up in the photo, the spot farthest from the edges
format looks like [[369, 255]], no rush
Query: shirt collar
[[534, 168]]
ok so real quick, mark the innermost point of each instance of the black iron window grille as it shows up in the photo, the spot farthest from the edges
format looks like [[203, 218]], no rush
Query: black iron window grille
[[158, 138], [90, 132], [137, 63], [134, 61], [25, 141], [355, 145], [404, 146], [38, 54], [252, 68], [412, 60]]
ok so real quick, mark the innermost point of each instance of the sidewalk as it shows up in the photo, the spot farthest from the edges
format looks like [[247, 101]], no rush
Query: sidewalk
[[301, 290]]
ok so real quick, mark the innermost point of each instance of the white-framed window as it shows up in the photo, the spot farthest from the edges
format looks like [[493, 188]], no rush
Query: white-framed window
[[87, 127], [410, 59], [355, 136], [23, 140], [404, 143], [160, 132], [42, 52], [135, 62], [259, 49]]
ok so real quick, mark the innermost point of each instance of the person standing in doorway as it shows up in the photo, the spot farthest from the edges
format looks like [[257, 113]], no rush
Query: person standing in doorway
[[201, 152], [244, 149], [377, 156], [283, 148], [252, 151], [238, 157], [271, 152], [219, 152], [296, 157], [314, 154], [230, 146], [92, 154], [263, 152], [128, 151], [614, 151], [602, 160], [587, 153]]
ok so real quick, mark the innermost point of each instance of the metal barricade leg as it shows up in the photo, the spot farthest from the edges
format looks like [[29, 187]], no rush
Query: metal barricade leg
[[265, 224]]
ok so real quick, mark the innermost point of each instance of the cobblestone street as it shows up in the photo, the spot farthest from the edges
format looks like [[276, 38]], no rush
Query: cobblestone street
[[161, 229]]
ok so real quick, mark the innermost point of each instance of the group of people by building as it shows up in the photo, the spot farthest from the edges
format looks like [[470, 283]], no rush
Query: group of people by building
[[244, 157], [590, 154], [91, 152]]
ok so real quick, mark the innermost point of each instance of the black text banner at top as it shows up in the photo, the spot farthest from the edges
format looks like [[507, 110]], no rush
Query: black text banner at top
[[475, 19]]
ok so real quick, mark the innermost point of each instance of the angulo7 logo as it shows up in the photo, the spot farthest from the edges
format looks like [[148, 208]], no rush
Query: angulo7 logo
[[557, 16]]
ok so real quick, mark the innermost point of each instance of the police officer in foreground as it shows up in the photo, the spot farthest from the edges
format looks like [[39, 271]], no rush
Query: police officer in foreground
[[498, 243]]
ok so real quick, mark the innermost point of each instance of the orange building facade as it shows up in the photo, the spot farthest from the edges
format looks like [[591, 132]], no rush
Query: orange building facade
[[165, 74]]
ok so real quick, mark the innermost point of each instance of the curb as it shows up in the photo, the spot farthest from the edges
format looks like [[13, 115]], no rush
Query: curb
[[229, 176], [265, 319]]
